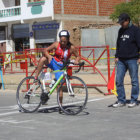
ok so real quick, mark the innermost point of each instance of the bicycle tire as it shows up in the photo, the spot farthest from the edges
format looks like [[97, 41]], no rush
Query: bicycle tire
[[73, 104], [28, 94]]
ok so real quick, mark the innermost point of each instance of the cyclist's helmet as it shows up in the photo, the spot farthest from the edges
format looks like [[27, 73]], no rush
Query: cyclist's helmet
[[64, 33]]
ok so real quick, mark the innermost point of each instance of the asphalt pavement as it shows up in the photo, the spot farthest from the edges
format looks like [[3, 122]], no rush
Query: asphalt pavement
[[98, 121]]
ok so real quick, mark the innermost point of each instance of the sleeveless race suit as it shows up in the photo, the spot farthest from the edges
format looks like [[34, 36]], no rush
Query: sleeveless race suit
[[61, 54], [56, 62]]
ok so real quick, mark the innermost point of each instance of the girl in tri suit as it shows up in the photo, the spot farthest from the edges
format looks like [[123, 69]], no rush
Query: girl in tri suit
[[63, 51]]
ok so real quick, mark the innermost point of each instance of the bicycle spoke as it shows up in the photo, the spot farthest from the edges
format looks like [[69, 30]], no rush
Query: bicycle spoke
[[74, 98], [28, 94]]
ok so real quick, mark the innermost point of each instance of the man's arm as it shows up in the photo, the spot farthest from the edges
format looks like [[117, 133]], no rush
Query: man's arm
[[117, 44], [138, 42], [117, 47]]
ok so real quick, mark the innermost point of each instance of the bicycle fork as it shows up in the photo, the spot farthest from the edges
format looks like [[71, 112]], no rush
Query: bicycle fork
[[69, 87]]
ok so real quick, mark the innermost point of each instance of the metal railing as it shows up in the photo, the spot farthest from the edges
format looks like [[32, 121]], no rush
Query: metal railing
[[12, 11]]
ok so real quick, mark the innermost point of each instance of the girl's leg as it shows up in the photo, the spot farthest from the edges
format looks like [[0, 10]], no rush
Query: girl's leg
[[60, 98], [42, 61]]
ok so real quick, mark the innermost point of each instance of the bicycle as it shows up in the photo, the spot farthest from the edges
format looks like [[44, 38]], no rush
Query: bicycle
[[31, 92]]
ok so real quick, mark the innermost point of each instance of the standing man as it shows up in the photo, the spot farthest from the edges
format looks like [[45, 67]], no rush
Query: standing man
[[127, 57]]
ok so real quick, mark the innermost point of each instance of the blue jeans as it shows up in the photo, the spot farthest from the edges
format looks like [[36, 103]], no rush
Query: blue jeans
[[122, 67]]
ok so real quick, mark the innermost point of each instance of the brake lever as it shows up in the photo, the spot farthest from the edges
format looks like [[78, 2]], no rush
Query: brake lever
[[80, 65], [77, 70]]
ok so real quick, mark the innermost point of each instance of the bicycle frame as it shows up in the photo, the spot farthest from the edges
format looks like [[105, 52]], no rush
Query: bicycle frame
[[58, 82], [38, 92]]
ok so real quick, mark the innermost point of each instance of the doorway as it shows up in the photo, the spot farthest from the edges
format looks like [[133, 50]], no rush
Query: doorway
[[21, 44]]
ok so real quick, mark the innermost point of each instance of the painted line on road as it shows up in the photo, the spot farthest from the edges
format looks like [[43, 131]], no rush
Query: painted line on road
[[16, 112], [8, 113], [91, 100], [14, 107], [14, 121], [99, 99]]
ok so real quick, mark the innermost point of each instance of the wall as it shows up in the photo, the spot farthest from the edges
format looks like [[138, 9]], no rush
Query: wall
[[47, 10], [86, 7], [2, 47], [80, 7], [84, 14], [106, 6], [75, 28], [6, 3], [1, 4], [57, 6]]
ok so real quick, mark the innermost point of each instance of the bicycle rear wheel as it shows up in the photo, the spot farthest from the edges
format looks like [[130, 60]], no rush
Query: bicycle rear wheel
[[28, 94], [74, 100]]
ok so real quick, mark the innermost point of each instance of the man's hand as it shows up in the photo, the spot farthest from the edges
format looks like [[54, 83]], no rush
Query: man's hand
[[116, 60], [139, 61]]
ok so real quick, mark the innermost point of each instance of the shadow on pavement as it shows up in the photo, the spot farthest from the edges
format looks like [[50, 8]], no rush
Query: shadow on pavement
[[56, 109]]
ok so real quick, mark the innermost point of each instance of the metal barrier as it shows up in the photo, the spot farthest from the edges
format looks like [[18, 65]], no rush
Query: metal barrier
[[95, 61], [20, 62], [26, 61]]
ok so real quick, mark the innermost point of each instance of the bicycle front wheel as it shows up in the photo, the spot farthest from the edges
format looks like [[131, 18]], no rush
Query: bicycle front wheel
[[28, 94], [72, 95]]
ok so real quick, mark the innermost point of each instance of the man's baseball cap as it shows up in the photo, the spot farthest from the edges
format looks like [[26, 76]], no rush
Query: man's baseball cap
[[123, 17]]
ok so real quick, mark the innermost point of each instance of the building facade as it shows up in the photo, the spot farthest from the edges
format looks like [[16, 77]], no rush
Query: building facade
[[36, 23]]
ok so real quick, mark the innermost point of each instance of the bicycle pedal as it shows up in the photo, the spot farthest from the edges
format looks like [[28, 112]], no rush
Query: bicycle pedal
[[44, 98], [27, 96], [72, 95], [20, 110], [60, 111]]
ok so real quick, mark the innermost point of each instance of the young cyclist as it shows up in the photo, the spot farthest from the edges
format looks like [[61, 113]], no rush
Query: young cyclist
[[63, 51]]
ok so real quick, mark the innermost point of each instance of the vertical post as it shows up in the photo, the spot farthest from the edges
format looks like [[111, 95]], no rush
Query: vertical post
[[97, 7], [108, 61], [3, 60], [62, 7], [31, 38], [11, 62], [108, 65], [93, 61], [2, 78], [80, 51], [26, 63], [16, 60]]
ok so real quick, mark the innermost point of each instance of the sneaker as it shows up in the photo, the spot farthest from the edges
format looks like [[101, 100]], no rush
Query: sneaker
[[131, 105], [118, 104]]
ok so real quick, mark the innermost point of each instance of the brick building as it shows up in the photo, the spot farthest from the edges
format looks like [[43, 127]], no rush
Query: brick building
[[83, 14], [36, 23]]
